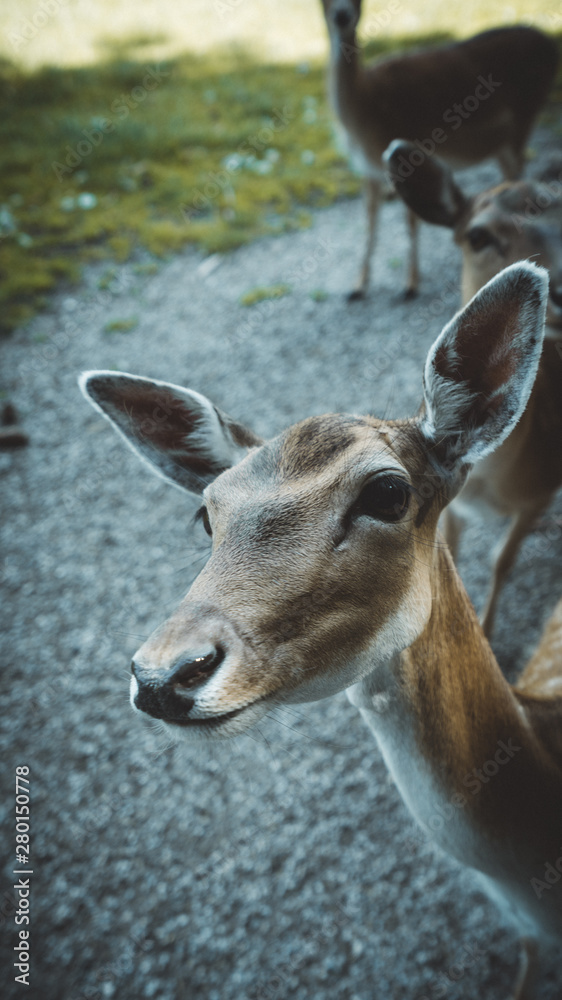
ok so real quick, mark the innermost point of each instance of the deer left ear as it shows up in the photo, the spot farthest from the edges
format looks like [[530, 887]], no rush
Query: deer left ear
[[481, 369], [429, 189], [180, 433]]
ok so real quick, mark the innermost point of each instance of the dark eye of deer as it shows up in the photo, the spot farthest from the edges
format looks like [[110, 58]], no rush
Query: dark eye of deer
[[203, 516], [479, 238], [386, 498]]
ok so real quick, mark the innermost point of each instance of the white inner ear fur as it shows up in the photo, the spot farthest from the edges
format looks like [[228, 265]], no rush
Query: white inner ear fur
[[447, 401]]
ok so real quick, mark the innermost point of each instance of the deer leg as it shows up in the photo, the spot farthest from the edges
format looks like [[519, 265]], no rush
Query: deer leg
[[511, 163], [373, 196], [520, 527], [527, 970], [413, 269]]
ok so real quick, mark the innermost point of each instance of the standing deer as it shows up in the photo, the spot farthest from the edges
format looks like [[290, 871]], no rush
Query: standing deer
[[327, 573], [498, 227], [472, 100]]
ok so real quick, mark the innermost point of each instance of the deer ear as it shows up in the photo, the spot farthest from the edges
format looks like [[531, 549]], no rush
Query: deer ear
[[185, 439], [480, 371], [428, 188]]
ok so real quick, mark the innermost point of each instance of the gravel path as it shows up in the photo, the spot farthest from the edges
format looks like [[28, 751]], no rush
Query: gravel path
[[283, 864]]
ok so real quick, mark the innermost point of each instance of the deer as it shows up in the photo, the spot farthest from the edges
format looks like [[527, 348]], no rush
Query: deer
[[327, 572], [473, 100], [507, 223]]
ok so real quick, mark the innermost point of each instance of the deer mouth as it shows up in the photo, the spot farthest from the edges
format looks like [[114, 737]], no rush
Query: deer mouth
[[229, 724], [210, 722]]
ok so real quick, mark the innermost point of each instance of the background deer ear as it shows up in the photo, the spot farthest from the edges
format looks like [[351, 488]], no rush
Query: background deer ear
[[480, 371], [427, 187], [185, 439]]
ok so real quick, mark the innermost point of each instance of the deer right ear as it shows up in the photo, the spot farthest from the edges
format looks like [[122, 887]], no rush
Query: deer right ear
[[185, 439], [427, 187], [481, 369]]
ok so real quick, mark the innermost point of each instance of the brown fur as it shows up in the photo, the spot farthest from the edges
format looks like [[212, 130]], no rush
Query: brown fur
[[409, 96], [521, 220], [319, 581]]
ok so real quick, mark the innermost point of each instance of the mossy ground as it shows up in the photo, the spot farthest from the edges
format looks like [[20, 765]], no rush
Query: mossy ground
[[97, 162]]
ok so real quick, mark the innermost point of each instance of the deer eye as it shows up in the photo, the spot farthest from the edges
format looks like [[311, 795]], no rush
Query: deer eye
[[203, 516], [385, 498], [479, 238]]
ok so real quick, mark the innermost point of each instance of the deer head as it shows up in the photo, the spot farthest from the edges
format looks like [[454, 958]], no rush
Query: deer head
[[342, 16], [323, 537], [514, 221]]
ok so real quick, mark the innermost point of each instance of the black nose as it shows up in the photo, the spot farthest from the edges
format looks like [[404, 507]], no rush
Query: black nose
[[556, 294], [158, 693], [342, 18]]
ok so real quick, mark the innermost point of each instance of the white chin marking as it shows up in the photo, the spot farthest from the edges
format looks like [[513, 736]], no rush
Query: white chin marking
[[133, 691]]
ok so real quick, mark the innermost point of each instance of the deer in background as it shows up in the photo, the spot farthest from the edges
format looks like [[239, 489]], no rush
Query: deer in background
[[471, 100], [505, 224], [327, 573]]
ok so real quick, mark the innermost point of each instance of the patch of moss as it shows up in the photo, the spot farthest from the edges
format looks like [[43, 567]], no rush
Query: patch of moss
[[121, 325], [214, 151], [264, 292]]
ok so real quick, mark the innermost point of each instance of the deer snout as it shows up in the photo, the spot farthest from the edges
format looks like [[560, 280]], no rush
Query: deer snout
[[163, 692], [342, 18]]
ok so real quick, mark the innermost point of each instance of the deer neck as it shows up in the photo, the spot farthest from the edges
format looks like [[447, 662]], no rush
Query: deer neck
[[444, 718], [344, 76]]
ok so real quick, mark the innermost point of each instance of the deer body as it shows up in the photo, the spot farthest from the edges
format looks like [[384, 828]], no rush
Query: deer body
[[497, 227], [502, 75], [446, 675], [327, 573], [527, 469]]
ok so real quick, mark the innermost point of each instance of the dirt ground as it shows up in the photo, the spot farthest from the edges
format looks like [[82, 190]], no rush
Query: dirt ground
[[284, 864]]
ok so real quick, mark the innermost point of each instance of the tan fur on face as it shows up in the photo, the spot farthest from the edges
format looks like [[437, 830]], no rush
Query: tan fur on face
[[303, 590], [525, 221]]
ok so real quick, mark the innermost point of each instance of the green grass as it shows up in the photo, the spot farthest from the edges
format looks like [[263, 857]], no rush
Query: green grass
[[211, 156], [261, 293], [100, 161], [121, 325]]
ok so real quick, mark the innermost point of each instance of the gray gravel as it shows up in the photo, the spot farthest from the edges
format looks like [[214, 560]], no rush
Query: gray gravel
[[283, 864]]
